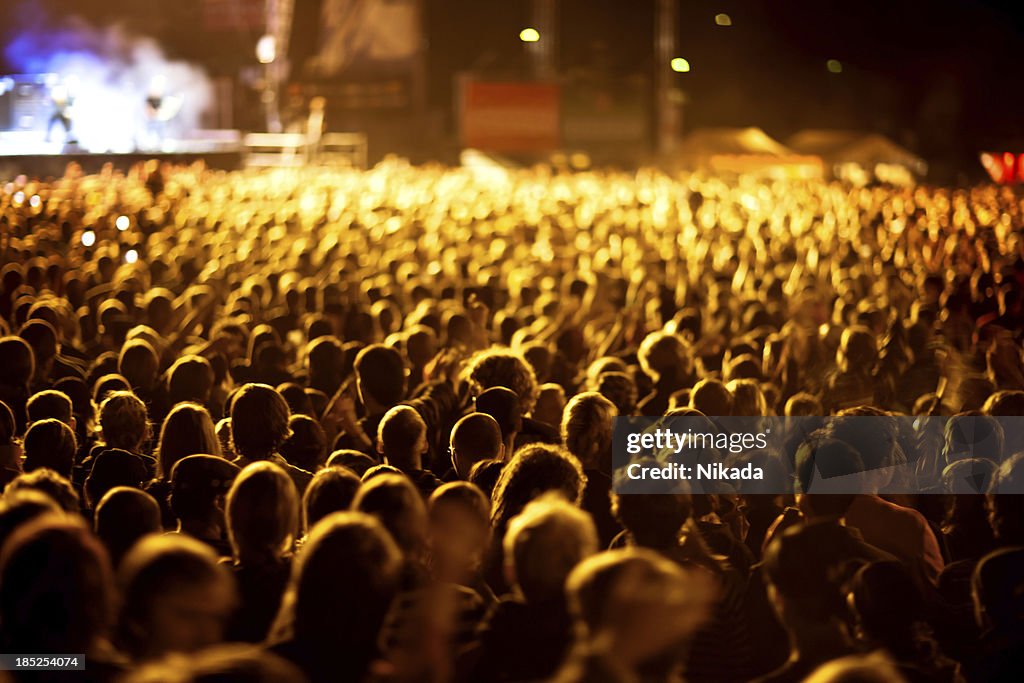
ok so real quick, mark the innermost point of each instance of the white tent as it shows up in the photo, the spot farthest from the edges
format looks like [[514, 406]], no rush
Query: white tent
[[844, 151], [744, 150]]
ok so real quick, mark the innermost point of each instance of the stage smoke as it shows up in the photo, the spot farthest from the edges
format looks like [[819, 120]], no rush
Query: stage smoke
[[109, 74]]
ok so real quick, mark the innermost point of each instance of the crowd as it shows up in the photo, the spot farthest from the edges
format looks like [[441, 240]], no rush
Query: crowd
[[341, 426]]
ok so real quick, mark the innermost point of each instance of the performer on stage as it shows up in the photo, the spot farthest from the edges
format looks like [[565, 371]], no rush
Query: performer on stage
[[63, 103], [160, 109]]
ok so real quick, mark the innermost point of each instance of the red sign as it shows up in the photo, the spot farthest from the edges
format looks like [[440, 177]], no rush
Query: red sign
[[511, 116], [1005, 168]]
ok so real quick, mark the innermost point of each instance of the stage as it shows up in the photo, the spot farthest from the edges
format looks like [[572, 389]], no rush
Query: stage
[[33, 156]]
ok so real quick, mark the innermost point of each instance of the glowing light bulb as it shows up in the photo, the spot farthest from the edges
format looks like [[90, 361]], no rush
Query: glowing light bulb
[[680, 65], [529, 35], [131, 256], [723, 19], [88, 238], [34, 201], [122, 223]]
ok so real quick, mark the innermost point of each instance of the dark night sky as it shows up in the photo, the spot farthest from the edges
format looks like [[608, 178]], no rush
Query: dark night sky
[[938, 75]]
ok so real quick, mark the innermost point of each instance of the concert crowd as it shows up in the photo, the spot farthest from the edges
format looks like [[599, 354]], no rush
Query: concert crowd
[[332, 425]]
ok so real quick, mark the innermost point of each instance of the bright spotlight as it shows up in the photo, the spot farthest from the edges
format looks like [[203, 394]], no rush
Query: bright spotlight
[[723, 19], [266, 49], [88, 238], [680, 65], [131, 256], [834, 66], [34, 201], [19, 197], [122, 223], [529, 35]]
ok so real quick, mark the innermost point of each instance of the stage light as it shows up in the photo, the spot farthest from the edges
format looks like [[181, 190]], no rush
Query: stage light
[[34, 201], [266, 49], [680, 65], [723, 19], [19, 197], [529, 35], [122, 223], [834, 66], [131, 256], [88, 238]]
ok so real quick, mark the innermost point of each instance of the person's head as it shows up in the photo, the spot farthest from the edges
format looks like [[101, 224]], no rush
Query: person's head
[[356, 461], [711, 397], [332, 489], [187, 430], [190, 379], [199, 484], [394, 500], [259, 421], [503, 405], [550, 404], [114, 467], [972, 436], [175, 597], [1005, 504], [475, 437], [858, 350], [533, 470], [619, 388], [326, 359], [56, 589], [108, 384], [1004, 404], [123, 516], [747, 398], [803, 404], [543, 544], [665, 356], [306, 446], [484, 475], [804, 574], [139, 363], [876, 667], [873, 435], [997, 588], [19, 362], [80, 396], [459, 530], [640, 605], [828, 472], [654, 520], [262, 513], [402, 438], [50, 443], [50, 404], [341, 587], [380, 376], [123, 421], [235, 662], [56, 487], [888, 606], [8, 427], [499, 367], [587, 430], [42, 338]]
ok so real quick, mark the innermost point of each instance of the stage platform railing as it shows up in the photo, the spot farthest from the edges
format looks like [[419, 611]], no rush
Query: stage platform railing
[[343, 148], [264, 150]]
